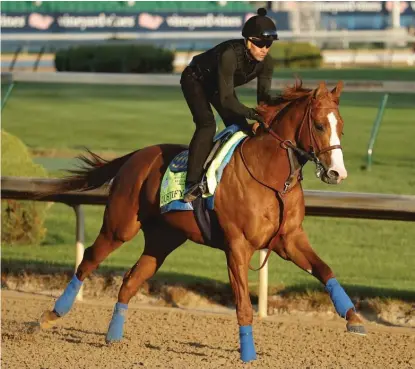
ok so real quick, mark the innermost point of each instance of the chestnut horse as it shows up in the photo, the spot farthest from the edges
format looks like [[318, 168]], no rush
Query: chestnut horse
[[259, 204]]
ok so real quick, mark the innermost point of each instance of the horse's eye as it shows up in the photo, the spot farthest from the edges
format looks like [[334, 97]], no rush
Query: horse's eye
[[319, 127]]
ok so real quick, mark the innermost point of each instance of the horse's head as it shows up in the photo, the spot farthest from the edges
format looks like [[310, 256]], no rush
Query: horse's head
[[310, 123], [321, 131]]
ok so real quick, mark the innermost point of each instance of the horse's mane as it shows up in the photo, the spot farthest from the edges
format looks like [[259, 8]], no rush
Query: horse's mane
[[295, 92], [290, 93]]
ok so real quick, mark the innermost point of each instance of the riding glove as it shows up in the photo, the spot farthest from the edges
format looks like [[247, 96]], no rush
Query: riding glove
[[254, 115]]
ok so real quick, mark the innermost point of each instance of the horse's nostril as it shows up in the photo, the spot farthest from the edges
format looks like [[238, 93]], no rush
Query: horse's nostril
[[333, 174]]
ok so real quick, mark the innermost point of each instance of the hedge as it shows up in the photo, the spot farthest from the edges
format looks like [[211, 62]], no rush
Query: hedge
[[21, 221], [296, 55], [125, 58]]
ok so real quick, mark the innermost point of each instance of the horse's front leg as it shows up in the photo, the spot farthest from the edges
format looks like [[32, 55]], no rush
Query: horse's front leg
[[238, 261], [296, 247]]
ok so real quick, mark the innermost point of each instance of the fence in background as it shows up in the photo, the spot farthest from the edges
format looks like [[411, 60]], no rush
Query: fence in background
[[318, 203], [341, 37], [174, 80]]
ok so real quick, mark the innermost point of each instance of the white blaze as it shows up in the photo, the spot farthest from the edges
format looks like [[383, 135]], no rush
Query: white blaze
[[337, 163]]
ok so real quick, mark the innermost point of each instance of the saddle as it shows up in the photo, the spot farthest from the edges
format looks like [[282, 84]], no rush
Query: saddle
[[173, 183]]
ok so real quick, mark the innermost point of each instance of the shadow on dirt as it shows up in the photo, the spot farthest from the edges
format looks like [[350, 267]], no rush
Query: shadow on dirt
[[381, 305]]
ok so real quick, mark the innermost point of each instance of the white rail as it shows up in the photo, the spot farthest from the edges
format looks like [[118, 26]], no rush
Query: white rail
[[344, 36], [174, 80]]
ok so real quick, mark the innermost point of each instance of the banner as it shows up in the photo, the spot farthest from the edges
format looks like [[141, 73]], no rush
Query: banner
[[355, 7], [125, 22], [364, 15]]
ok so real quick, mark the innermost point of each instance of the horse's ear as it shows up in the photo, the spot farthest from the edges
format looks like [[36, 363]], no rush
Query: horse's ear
[[336, 91], [321, 90]]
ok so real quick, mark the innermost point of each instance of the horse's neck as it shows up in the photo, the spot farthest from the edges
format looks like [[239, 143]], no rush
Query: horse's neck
[[288, 124], [265, 158], [267, 161]]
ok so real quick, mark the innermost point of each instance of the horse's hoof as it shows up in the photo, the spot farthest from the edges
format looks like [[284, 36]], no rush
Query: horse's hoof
[[113, 338], [356, 329], [48, 319], [111, 342], [114, 334]]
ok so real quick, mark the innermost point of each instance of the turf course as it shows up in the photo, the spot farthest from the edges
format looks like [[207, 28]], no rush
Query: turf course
[[372, 257]]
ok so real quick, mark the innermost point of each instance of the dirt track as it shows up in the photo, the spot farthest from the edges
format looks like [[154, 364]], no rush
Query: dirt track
[[175, 338]]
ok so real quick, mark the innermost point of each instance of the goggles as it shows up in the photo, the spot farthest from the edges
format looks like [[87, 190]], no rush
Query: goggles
[[261, 42], [270, 34]]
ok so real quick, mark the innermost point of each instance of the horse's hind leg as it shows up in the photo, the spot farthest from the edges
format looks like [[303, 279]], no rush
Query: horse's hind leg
[[160, 241], [120, 225], [297, 248]]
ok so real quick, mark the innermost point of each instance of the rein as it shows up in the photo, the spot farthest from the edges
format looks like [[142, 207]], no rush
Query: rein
[[290, 147]]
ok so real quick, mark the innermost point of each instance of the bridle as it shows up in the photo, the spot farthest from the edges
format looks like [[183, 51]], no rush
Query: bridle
[[311, 155]]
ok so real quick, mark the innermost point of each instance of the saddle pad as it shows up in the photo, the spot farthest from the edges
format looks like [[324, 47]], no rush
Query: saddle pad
[[172, 188], [215, 170], [179, 163], [174, 179]]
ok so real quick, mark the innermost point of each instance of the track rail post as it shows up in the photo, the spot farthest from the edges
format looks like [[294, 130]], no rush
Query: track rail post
[[80, 240], [263, 286], [375, 131]]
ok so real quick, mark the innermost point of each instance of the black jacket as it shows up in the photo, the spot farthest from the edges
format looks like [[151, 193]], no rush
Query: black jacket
[[229, 65]]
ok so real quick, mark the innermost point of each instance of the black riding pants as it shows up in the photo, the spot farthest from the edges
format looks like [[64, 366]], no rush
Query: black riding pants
[[199, 101]]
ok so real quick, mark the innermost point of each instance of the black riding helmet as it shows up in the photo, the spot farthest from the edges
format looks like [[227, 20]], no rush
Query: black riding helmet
[[260, 26]]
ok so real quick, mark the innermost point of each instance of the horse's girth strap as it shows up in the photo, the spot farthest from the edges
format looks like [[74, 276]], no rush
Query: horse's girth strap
[[275, 236]]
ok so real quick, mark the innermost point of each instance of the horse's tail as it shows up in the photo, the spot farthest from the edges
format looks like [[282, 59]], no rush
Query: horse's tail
[[95, 173]]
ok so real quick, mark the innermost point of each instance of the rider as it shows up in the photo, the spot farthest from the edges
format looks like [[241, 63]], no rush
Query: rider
[[211, 78]]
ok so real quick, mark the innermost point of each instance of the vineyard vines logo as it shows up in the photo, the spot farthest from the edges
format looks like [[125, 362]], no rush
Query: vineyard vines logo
[[204, 21], [11, 21], [40, 21], [403, 5], [100, 21], [149, 21], [349, 6]]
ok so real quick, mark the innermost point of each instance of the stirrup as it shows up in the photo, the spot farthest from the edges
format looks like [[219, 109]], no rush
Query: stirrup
[[193, 192]]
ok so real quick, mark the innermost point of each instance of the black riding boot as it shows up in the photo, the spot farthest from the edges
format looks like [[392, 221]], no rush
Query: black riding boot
[[199, 150]]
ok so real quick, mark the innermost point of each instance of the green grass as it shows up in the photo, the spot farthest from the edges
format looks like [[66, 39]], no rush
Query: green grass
[[386, 74], [375, 256], [121, 119], [101, 117]]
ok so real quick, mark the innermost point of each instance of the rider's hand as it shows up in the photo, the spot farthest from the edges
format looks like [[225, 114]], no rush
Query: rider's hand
[[254, 115]]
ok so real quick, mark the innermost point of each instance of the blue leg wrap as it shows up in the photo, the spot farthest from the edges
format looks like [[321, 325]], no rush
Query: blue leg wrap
[[247, 343], [115, 330], [341, 300], [64, 303]]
